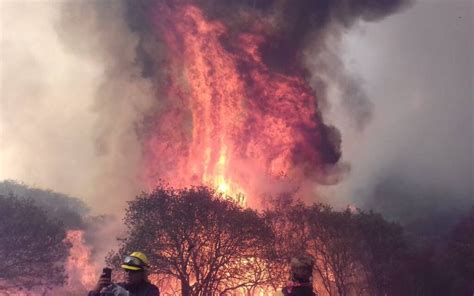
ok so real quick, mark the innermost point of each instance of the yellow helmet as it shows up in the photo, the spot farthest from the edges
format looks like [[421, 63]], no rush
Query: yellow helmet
[[135, 261]]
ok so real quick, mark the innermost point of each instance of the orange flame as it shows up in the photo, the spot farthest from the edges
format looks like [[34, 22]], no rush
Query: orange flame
[[226, 119], [81, 270]]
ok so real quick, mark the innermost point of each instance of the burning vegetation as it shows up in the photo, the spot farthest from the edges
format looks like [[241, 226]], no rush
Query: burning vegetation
[[220, 93], [80, 268], [234, 118], [199, 243], [228, 120], [234, 106]]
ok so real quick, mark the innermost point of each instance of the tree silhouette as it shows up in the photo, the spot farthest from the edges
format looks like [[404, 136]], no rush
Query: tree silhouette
[[356, 253], [69, 210], [32, 246], [209, 244], [289, 221], [458, 257], [334, 239], [212, 246], [382, 252]]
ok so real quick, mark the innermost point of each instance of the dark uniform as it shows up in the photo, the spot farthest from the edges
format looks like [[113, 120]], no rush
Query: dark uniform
[[143, 289], [298, 291]]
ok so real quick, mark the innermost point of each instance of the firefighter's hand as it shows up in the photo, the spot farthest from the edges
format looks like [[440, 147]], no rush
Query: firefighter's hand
[[101, 284], [119, 291]]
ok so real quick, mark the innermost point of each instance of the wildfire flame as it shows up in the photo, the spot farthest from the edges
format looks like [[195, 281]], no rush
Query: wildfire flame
[[81, 270], [227, 119]]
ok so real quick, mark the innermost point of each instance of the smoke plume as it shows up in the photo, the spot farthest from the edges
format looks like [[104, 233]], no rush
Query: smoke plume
[[414, 162], [118, 59], [298, 40]]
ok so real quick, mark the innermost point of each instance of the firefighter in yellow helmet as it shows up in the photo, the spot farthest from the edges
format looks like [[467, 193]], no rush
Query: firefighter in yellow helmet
[[135, 267]]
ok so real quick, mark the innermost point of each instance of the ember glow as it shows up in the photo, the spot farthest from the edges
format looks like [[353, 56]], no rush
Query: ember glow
[[227, 118], [81, 270]]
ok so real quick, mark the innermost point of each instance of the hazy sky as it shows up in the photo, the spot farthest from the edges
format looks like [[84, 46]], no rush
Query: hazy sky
[[46, 99], [416, 67], [52, 130]]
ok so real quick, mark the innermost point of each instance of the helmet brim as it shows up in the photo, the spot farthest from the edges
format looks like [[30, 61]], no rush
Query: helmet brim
[[128, 267]]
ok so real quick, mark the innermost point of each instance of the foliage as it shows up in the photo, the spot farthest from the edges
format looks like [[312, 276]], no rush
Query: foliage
[[289, 221], [69, 210], [334, 245], [382, 252], [32, 246], [458, 257], [210, 244], [356, 253]]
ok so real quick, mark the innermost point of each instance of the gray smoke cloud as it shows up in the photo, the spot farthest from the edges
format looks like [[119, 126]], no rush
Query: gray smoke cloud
[[77, 80], [305, 33], [299, 35], [97, 31], [72, 100], [414, 162]]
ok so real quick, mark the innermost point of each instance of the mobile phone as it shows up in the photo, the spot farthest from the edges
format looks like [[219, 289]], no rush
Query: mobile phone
[[106, 273]]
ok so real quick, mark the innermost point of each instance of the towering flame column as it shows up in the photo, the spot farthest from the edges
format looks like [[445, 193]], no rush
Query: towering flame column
[[227, 120]]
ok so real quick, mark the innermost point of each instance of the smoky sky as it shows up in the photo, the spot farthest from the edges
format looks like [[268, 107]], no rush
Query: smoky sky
[[289, 28], [298, 34], [416, 156], [394, 77], [58, 127]]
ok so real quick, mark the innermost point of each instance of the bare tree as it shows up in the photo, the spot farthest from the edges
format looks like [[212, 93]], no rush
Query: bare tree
[[382, 252], [357, 253], [289, 220], [334, 239], [210, 244]]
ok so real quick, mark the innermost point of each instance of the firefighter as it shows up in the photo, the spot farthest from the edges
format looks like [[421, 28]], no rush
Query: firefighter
[[301, 278], [135, 266]]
